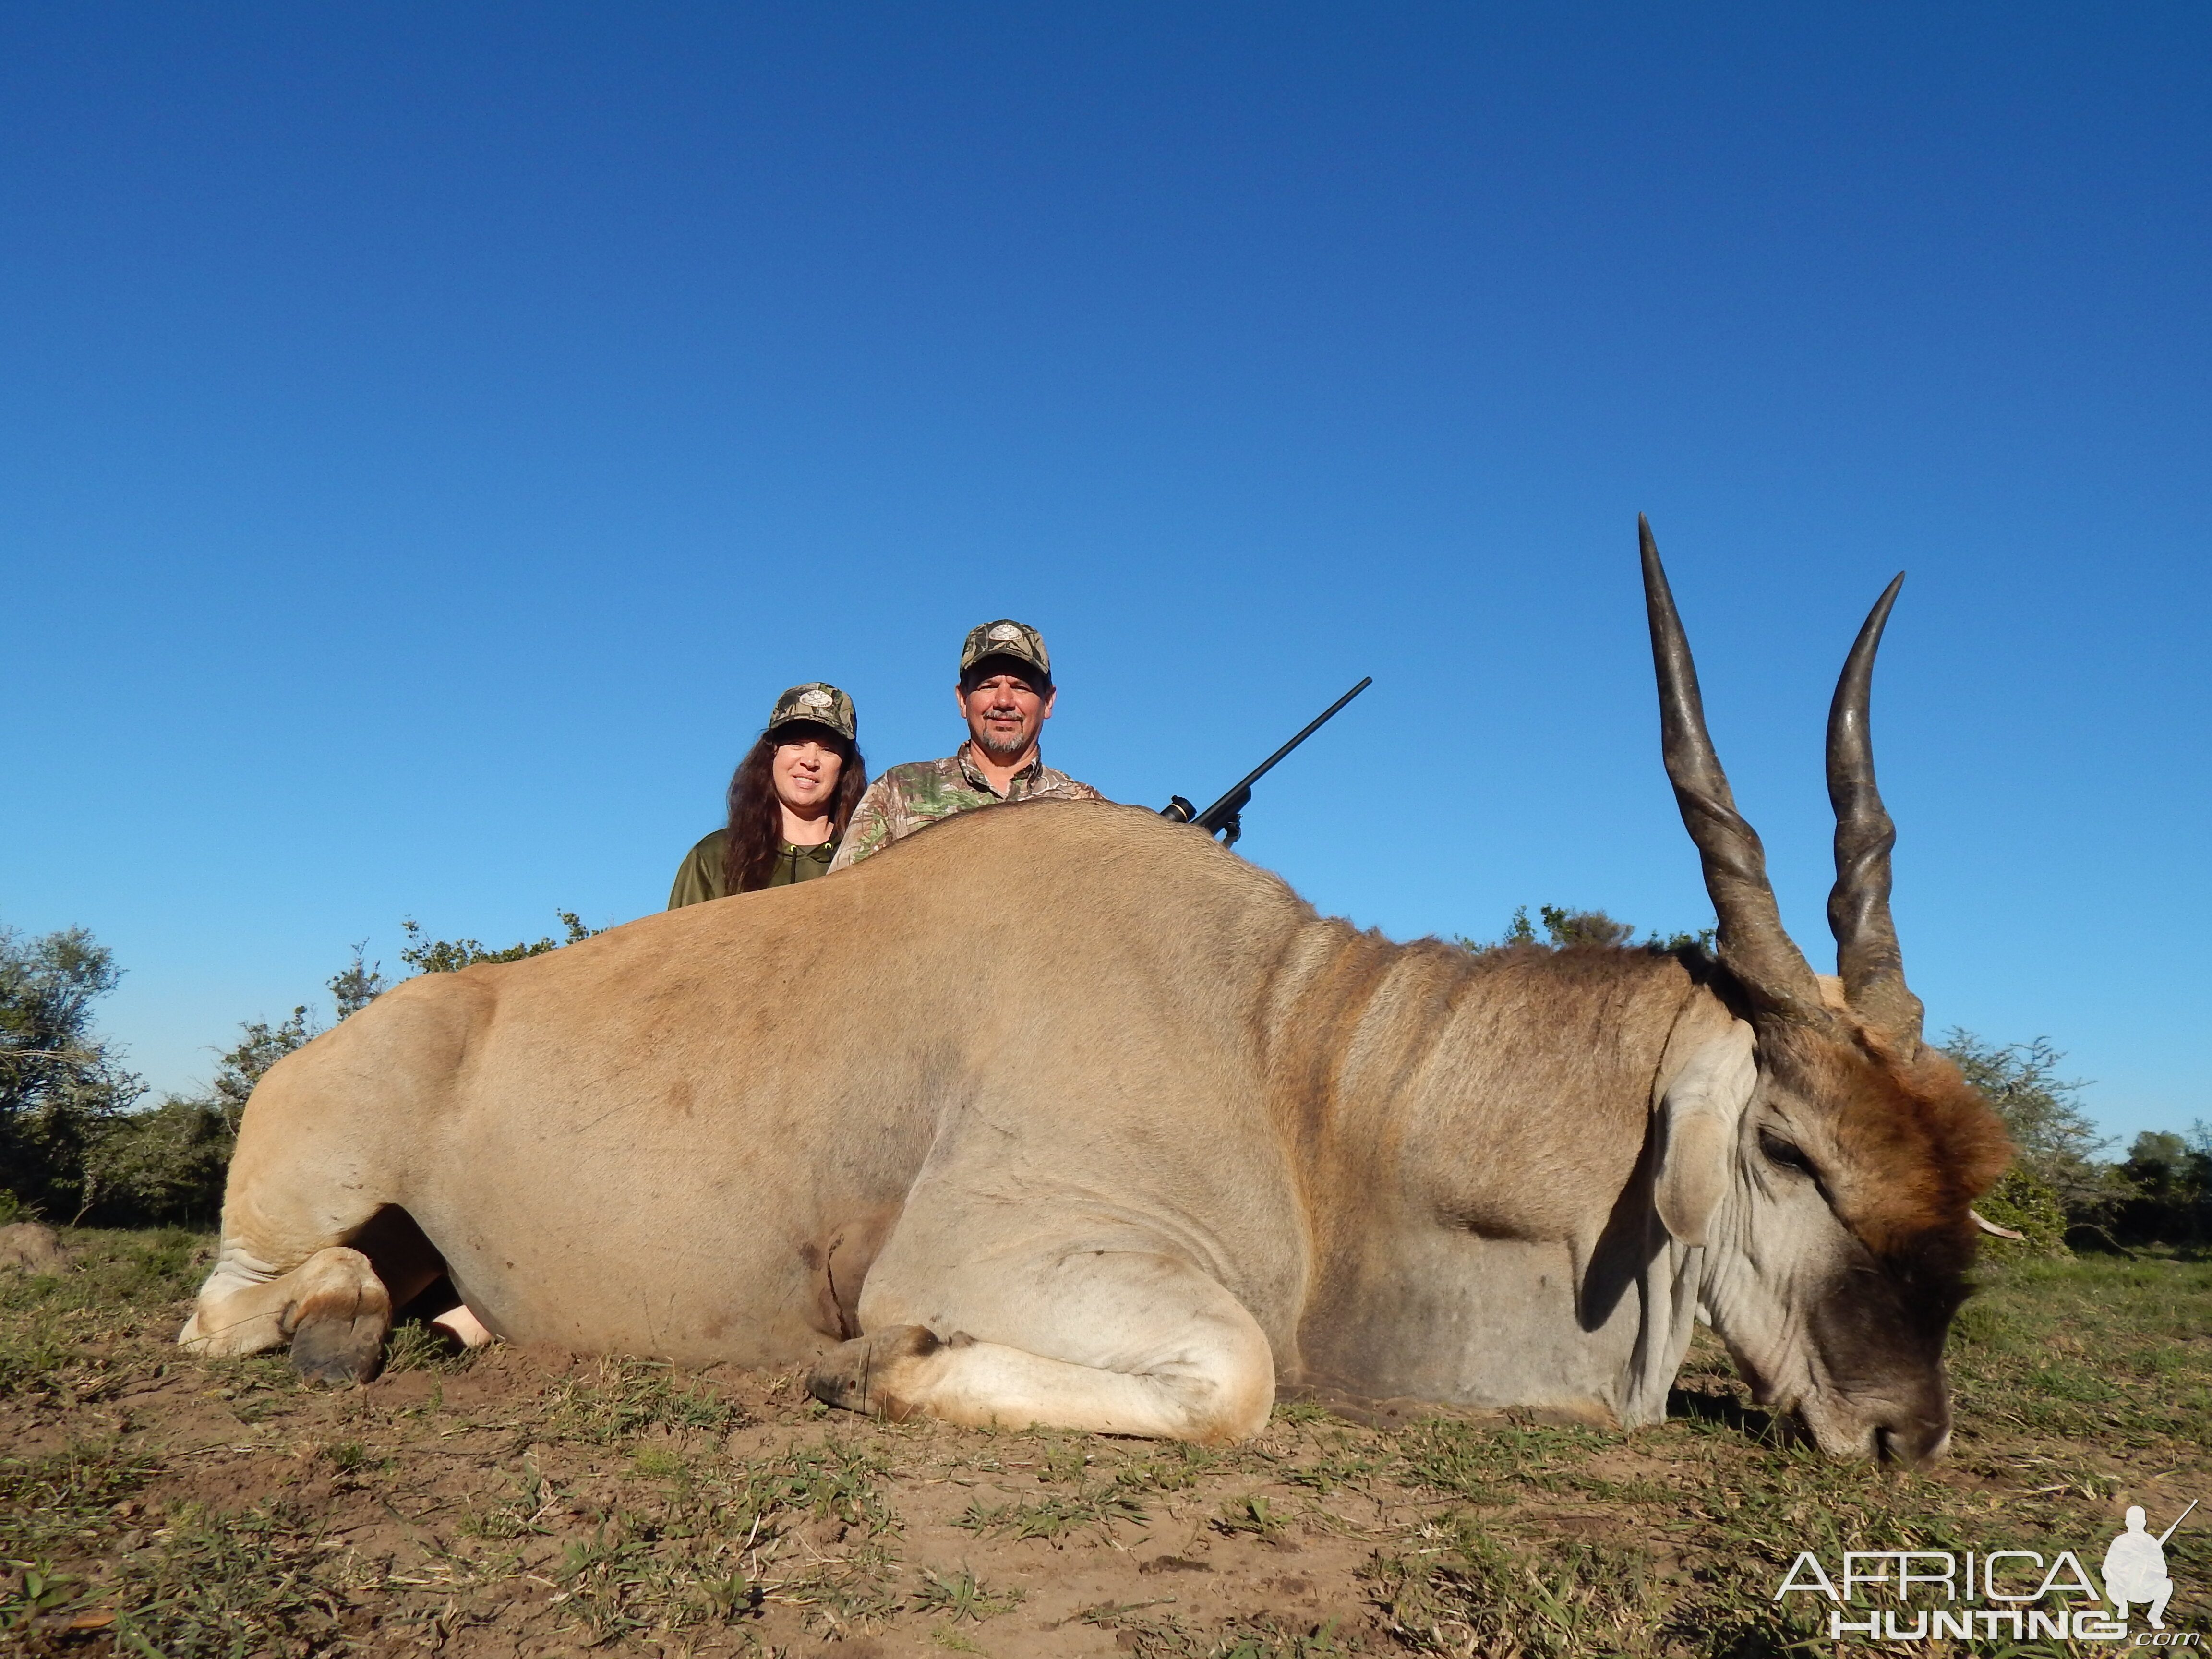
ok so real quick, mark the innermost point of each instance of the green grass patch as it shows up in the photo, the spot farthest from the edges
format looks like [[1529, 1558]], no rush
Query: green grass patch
[[617, 1399], [223, 1507], [958, 1596], [1055, 1514]]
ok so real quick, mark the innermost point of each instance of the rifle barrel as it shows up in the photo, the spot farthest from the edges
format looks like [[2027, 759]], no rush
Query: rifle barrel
[[1268, 765], [2178, 1520]]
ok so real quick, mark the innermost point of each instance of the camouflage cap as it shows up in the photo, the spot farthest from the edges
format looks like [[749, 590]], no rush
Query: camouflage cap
[[1004, 638], [824, 705]]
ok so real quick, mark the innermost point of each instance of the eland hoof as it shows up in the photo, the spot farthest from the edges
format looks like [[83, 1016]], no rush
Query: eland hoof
[[867, 1374], [339, 1354], [340, 1340]]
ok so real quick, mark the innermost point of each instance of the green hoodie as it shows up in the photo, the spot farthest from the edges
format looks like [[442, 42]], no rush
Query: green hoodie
[[699, 877]]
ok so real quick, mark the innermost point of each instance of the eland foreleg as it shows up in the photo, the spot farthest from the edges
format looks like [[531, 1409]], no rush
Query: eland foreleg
[[1115, 1340]]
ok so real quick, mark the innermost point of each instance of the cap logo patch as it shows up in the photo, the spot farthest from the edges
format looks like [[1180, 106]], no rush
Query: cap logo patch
[[1004, 632], [814, 699]]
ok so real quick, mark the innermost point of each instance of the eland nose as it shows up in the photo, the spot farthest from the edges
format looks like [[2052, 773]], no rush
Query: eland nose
[[1911, 1441]]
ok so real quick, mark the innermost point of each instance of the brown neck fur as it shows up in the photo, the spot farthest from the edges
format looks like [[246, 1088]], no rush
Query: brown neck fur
[[1510, 1089]]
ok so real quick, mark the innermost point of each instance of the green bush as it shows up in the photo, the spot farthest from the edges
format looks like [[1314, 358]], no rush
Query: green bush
[[2055, 1141], [164, 1166], [450, 956], [1564, 928], [2169, 1199], [2026, 1203]]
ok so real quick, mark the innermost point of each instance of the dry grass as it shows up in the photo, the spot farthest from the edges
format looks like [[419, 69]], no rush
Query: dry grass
[[518, 1505]]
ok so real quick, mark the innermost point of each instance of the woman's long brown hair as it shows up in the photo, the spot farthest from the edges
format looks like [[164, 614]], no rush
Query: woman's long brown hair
[[756, 815]]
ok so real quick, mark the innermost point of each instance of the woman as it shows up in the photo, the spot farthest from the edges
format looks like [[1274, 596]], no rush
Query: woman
[[790, 801]]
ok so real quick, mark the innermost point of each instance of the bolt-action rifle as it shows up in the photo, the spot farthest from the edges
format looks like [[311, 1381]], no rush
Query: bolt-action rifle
[[1223, 818]]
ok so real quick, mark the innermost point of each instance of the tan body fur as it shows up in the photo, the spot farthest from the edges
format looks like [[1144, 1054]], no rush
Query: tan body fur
[[1062, 1079]]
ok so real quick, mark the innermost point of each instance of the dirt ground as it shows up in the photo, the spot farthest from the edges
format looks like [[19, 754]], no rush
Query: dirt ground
[[528, 1503]]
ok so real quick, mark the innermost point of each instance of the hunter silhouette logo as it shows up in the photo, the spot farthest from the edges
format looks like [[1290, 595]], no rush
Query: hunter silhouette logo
[[2135, 1567], [2018, 1594]]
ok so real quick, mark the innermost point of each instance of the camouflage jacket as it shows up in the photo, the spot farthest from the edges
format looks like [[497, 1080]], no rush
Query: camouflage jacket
[[908, 796]]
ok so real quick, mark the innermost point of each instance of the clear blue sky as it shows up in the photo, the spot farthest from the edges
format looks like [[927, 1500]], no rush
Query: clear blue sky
[[429, 436]]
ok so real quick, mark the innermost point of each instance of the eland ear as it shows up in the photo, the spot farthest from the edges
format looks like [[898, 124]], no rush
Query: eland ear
[[1699, 1116]]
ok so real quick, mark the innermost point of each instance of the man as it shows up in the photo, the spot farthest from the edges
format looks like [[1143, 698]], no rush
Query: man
[[1005, 696]]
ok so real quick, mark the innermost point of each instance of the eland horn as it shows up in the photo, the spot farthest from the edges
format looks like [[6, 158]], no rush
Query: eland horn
[[1753, 944], [1867, 959]]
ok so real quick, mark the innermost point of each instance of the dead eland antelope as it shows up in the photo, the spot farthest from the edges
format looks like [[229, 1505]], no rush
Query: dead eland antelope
[[1060, 1113]]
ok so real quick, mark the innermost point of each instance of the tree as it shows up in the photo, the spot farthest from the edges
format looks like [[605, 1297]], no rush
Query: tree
[[1564, 928], [1569, 928], [2059, 1179], [61, 1087], [2042, 1111], [2170, 1187], [441, 956], [354, 986]]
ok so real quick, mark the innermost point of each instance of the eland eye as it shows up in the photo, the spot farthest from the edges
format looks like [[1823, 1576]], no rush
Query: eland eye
[[1785, 1154]]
